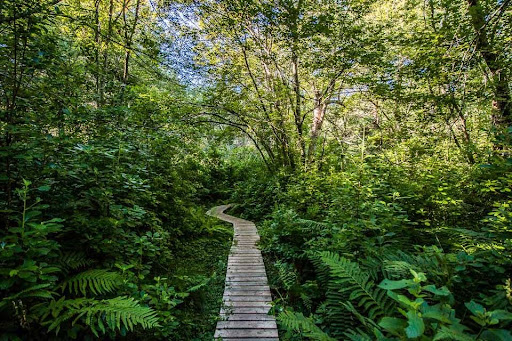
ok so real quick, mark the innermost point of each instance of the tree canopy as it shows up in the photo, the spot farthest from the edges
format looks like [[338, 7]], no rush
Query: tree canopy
[[370, 141]]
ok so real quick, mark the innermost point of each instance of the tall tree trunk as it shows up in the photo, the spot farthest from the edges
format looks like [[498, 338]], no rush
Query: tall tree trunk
[[97, 51], [316, 126], [502, 100], [105, 53], [297, 112], [129, 40]]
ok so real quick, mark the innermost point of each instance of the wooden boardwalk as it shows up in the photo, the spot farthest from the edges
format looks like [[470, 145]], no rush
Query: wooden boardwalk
[[246, 301]]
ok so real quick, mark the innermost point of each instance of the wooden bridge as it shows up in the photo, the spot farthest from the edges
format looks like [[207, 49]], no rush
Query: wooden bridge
[[246, 301]]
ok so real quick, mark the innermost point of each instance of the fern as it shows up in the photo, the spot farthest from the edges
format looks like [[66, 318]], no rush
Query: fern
[[398, 264], [97, 281], [338, 317], [287, 274], [39, 291], [99, 315], [323, 274], [357, 335], [74, 260], [304, 325], [312, 225], [351, 280], [395, 269]]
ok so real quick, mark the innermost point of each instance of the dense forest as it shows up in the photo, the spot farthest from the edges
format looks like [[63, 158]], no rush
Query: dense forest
[[370, 142]]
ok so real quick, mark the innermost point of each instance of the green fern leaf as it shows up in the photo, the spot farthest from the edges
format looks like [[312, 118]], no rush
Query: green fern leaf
[[97, 281], [303, 325], [100, 315], [350, 279]]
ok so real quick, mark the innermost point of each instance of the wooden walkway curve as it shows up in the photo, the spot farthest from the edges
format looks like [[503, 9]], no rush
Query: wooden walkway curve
[[246, 301]]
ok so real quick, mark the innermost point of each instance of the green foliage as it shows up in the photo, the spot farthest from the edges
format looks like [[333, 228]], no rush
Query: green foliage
[[303, 325], [96, 281], [99, 315], [369, 140], [357, 285]]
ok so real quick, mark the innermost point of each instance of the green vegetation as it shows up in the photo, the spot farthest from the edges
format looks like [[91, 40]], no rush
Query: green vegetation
[[369, 140]]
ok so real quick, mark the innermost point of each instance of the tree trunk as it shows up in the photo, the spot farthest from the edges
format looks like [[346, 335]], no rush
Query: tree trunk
[[105, 52], [318, 120], [129, 40], [502, 100], [97, 51], [297, 112]]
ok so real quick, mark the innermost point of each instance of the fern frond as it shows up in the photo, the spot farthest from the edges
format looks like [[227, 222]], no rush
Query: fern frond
[[398, 264], [322, 270], [357, 335], [287, 274], [303, 325], [355, 282], [38, 290], [74, 260], [312, 225], [100, 315], [98, 281], [396, 269]]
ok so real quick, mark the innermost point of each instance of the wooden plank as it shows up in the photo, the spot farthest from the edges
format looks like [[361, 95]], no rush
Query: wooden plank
[[244, 250], [245, 310], [246, 298], [246, 325], [260, 280], [244, 304], [245, 277], [231, 292], [240, 253], [241, 333], [247, 317], [245, 269], [245, 256], [242, 285], [234, 287], [233, 273], [247, 281], [245, 264]]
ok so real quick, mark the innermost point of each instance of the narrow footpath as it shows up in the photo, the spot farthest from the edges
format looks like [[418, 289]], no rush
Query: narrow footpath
[[246, 301]]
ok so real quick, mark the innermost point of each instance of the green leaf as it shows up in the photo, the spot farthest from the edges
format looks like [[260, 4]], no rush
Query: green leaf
[[497, 335], [443, 291], [475, 308], [393, 325], [501, 315], [453, 332], [393, 285], [415, 326]]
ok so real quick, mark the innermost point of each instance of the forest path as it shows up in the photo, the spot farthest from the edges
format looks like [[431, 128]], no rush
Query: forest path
[[246, 300]]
